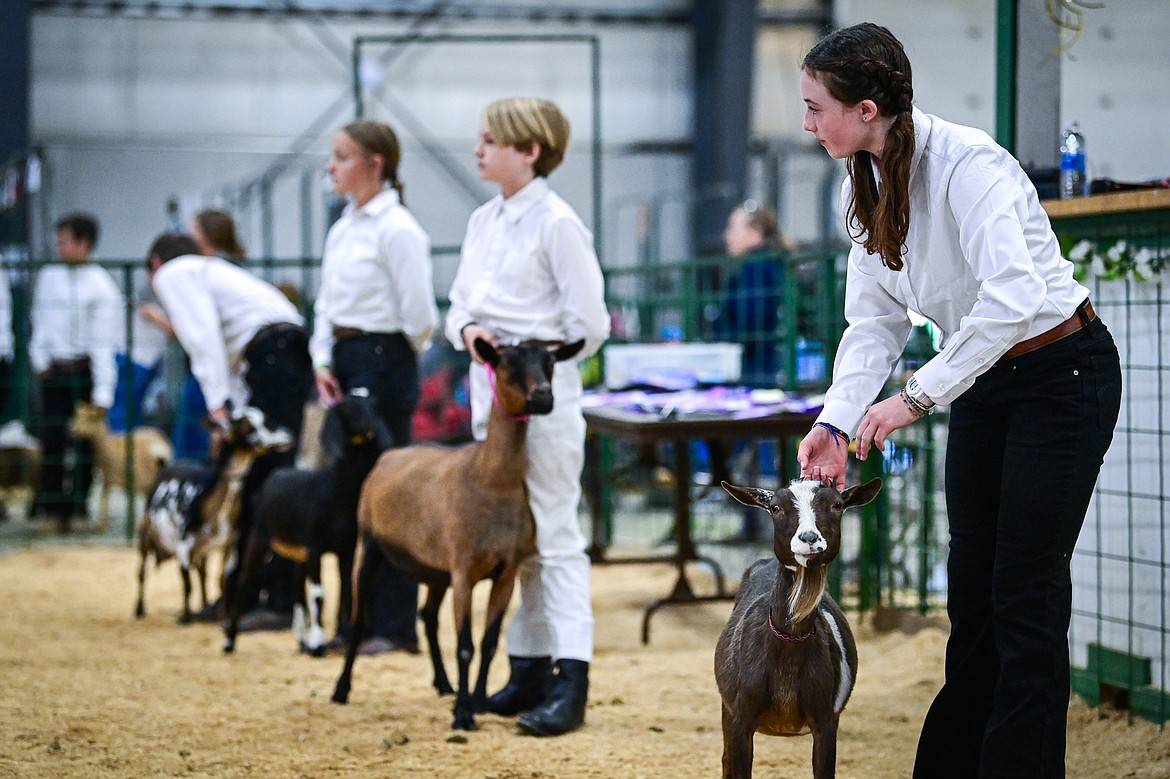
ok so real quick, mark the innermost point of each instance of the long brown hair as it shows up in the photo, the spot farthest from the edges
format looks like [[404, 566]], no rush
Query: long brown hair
[[219, 229], [377, 138], [866, 62]]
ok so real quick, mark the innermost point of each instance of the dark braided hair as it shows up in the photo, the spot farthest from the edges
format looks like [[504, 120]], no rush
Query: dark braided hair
[[866, 62], [377, 138]]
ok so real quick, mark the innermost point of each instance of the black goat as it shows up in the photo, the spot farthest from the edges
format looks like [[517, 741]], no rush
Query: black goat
[[302, 514], [786, 661], [193, 507]]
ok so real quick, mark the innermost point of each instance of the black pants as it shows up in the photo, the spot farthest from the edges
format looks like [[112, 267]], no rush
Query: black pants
[[1026, 444], [386, 365], [280, 377], [62, 491]]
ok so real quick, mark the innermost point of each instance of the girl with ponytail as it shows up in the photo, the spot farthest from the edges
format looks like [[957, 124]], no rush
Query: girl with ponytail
[[374, 314], [945, 222]]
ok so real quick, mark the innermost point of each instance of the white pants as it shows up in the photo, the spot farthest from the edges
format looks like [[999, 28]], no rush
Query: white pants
[[555, 618]]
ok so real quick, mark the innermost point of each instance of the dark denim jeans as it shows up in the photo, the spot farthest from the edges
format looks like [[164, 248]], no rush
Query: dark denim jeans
[[1026, 443]]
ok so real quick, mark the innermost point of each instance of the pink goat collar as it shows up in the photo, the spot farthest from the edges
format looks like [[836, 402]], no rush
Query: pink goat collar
[[496, 398], [780, 634]]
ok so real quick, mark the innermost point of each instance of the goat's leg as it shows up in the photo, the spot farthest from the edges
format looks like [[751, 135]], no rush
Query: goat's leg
[[367, 560], [738, 731], [185, 573], [143, 551], [201, 569], [461, 603], [430, 620], [103, 521], [238, 585], [498, 598], [313, 641], [824, 753]]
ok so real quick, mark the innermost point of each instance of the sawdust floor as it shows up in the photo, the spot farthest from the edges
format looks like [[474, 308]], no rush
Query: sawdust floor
[[88, 691]]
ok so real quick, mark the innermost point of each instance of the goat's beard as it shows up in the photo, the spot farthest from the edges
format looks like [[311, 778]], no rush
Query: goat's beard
[[807, 591]]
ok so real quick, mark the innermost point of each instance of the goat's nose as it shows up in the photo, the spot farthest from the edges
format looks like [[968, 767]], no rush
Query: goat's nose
[[541, 397], [810, 537]]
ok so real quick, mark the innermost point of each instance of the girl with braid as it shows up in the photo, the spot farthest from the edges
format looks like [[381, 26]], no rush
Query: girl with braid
[[945, 222]]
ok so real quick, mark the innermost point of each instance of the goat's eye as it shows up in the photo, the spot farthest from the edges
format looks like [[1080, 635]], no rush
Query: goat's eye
[[838, 506]]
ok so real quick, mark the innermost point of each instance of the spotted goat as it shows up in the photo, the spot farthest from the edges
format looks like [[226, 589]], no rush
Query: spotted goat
[[194, 507]]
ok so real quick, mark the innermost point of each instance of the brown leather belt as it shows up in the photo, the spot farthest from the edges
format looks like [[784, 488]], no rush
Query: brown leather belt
[[1080, 318], [345, 333]]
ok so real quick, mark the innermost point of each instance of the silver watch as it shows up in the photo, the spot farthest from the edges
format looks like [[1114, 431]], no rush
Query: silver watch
[[915, 392]]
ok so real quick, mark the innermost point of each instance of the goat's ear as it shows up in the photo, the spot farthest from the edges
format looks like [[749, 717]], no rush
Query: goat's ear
[[751, 496], [568, 351], [860, 494], [487, 352]]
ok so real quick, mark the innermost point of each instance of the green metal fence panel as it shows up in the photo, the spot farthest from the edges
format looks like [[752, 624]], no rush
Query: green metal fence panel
[[1120, 635]]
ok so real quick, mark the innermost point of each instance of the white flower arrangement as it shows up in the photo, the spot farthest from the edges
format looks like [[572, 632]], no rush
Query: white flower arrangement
[[1122, 260]]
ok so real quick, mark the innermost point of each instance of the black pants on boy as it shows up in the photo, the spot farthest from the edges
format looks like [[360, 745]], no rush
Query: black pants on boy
[[62, 491]]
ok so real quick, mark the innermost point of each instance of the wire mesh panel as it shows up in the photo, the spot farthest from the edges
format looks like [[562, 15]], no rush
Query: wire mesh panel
[[1120, 633]]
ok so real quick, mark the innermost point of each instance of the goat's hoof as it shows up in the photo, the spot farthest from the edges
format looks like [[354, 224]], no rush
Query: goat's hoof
[[229, 646], [444, 689], [463, 722], [139, 611], [313, 651], [184, 619], [340, 697]]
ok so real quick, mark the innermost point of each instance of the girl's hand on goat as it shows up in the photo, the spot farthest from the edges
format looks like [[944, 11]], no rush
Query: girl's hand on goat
[[882, 419], [328, 387], [823, 456], [470, 333]]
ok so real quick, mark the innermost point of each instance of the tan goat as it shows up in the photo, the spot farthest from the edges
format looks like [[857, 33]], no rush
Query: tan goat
[[152, 450], [479, 528]]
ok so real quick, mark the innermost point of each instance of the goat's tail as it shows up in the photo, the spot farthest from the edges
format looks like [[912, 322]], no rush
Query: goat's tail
[[807, 591]]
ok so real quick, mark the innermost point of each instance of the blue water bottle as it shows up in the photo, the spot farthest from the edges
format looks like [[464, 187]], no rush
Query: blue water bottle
[[1074, 182]]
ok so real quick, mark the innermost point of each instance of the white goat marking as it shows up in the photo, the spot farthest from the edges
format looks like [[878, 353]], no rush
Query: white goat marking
[[802, 495], [846, 685], [316, 636]]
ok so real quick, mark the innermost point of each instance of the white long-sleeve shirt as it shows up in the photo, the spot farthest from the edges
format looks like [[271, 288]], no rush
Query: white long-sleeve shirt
[[981, 262], [375, 276], [77, 311], [528, 271], [216, 309]]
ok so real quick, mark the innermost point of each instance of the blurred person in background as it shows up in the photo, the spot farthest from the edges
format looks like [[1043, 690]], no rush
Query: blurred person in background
[[77, 328]]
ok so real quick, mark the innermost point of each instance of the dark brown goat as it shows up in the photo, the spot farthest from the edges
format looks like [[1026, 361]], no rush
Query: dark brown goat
[[786, 661], [451, 517]]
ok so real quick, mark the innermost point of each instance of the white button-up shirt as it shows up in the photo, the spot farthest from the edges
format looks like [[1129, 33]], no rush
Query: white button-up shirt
[[528, 271], [216, 309], [77, 311], [375, 276], [981, 262]]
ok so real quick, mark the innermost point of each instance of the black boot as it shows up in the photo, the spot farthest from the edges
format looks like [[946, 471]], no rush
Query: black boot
[[527, 686], [564, 709]]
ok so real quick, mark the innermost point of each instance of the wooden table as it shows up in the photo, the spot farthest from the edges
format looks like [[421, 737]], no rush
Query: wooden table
[[650, 428]]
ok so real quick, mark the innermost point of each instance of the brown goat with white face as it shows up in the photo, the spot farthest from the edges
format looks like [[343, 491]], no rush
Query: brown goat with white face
[[451, 517], [786, 662]]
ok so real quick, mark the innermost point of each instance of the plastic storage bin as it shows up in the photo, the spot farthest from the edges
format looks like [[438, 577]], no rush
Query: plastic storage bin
[[671, 364]]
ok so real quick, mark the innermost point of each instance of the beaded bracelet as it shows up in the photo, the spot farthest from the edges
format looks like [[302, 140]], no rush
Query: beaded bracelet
[[839, 435], [916, 407]]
